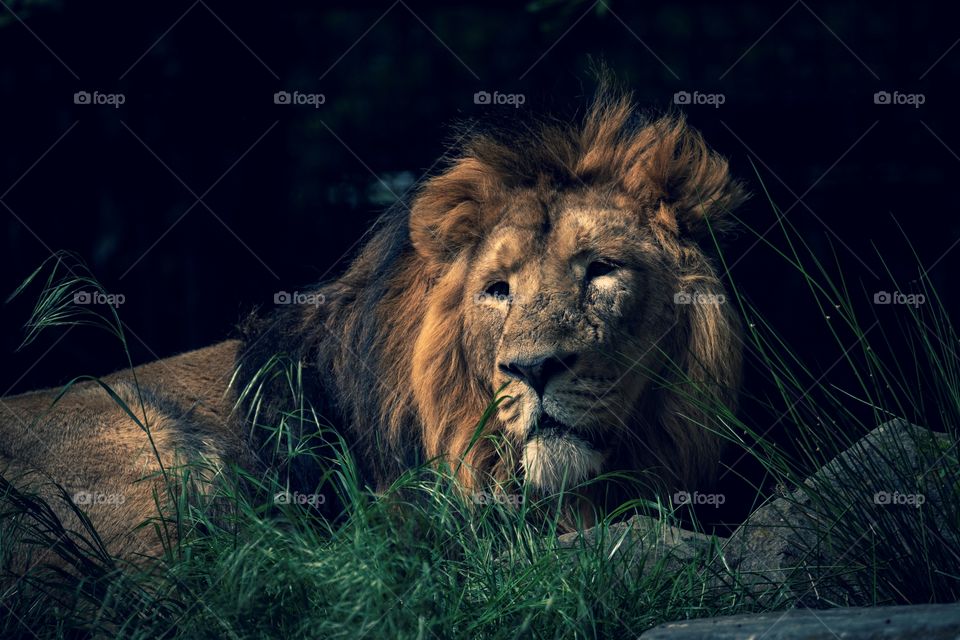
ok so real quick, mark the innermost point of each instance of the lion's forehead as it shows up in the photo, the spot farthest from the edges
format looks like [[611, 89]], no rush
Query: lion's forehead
[[567, 232]]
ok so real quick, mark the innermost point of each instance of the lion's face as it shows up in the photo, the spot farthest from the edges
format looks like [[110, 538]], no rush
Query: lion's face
[[563, 309], [551, 259]]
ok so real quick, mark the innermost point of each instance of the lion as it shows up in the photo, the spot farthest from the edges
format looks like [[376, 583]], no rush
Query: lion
[[544, 310]]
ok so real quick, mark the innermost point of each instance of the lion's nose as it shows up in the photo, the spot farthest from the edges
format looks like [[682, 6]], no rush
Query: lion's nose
[[538, 370]]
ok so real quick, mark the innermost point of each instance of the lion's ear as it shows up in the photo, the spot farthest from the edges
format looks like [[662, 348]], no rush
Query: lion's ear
[[692, 182], [452, 210]]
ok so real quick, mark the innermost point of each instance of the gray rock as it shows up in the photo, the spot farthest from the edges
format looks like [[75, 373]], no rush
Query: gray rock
[[643, 542], [929, 621], [802, 546]]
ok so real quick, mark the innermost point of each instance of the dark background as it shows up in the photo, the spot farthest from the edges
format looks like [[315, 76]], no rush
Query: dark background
[[292, 188]]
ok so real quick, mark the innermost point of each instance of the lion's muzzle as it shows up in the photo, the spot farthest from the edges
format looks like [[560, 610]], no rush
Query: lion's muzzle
[[536, 371]]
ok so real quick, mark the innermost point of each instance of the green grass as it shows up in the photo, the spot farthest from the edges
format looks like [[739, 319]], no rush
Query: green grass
[[423, 560], [420, 561]]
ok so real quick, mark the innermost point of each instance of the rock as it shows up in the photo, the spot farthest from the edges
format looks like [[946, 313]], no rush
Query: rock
[[804, 546], [643, 542], [929, 621]]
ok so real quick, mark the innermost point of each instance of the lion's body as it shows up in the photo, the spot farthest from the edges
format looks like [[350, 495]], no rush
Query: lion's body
[[546, 265], [89, 445]]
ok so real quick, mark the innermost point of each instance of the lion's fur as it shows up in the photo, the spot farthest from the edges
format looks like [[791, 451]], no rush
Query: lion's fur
[[86, 442], [391, 357]]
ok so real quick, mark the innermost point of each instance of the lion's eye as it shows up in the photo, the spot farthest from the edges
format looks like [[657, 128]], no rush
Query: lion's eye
[[599, 268], [498, 289]]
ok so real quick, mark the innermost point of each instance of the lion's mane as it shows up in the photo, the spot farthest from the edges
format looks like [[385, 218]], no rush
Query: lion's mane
[[385, 354]]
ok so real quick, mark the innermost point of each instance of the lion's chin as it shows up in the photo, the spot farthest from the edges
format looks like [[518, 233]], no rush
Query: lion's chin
[[553, 461]]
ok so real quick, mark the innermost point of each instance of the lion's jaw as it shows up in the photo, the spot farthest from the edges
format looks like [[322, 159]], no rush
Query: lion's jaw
[[566, 430]]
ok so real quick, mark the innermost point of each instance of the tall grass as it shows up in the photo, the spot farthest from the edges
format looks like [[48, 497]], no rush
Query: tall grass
[[905, 365]]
